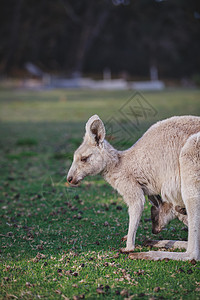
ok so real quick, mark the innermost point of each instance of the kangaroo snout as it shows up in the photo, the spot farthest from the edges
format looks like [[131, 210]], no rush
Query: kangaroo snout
[[69, 179], [72, 180], [72, 176]]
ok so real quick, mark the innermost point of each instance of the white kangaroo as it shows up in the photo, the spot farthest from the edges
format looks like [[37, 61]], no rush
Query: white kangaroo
[[164, 161]]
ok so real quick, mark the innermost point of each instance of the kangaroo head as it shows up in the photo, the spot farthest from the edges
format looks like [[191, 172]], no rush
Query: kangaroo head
[[89, 158], [161, 213]]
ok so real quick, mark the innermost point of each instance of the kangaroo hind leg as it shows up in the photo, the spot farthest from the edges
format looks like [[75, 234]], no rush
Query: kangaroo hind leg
[[190, 189]]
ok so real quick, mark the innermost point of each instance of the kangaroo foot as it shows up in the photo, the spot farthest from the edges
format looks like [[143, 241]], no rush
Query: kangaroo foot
[[126, 250], [167, 244], [159, 255]]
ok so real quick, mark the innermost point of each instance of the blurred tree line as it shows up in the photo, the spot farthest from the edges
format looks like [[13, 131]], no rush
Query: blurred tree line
[[85, 36]]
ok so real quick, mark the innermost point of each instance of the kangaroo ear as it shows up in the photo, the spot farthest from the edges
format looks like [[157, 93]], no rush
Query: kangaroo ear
[[155, 200], [95, 129]]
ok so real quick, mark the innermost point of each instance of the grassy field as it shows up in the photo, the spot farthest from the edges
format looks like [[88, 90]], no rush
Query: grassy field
[[59, 242]]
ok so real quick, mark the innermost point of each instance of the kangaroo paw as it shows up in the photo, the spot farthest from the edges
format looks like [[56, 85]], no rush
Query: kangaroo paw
[[181, 210], [124, 238]]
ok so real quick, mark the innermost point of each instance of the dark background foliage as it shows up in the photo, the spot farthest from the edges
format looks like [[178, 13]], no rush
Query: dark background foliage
[[84, 36]]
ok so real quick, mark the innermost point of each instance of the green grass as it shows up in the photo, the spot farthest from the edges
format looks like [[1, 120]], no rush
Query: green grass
[[54, 240]]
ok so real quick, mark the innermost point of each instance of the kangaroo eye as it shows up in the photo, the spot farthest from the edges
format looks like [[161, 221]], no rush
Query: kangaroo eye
[[84, 158]]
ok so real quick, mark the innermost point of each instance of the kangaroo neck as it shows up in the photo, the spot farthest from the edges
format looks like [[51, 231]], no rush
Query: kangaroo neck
[[113, 165], [120, 169]]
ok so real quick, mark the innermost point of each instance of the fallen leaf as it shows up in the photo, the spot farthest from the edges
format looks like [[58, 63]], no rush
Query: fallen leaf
[[65, 298], [124, 293], [100, 291]]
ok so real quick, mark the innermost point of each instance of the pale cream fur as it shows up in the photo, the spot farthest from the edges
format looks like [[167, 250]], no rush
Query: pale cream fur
[[165, 161]]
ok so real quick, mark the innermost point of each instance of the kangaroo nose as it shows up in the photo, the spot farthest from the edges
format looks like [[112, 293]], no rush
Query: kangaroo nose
[[156, 230], [70, 179]]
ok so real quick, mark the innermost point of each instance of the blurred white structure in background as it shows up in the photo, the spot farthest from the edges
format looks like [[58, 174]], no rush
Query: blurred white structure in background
[[44, 80]]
